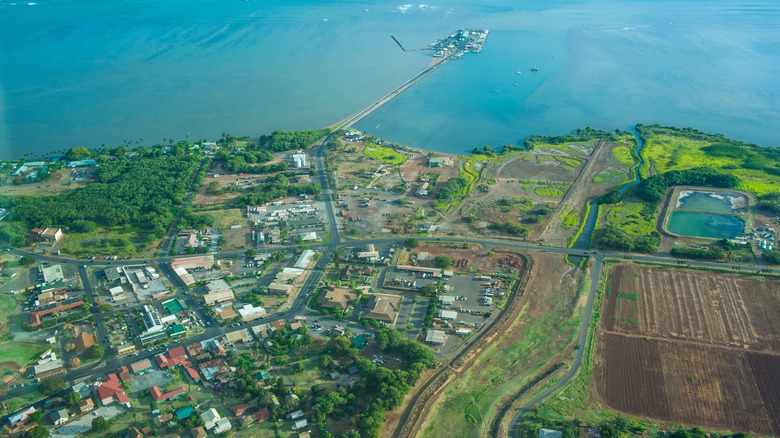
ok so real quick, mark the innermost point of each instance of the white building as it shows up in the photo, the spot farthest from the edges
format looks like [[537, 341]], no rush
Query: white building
[[250, 312], [436, 337], [448, 314], [299, 159]]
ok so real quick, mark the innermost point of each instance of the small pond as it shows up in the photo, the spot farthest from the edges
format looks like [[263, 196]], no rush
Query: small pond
[[715, 226]]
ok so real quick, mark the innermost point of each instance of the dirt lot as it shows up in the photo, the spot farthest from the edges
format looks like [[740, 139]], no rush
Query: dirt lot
[[501, 262], [463, 256], [691, 347]]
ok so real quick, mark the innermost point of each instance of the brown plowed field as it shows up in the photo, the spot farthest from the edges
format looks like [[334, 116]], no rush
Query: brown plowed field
[[690, 383], [691, 347], [726, 309]]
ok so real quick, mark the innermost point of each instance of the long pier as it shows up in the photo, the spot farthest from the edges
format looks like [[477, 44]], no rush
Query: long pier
[[391, 95]]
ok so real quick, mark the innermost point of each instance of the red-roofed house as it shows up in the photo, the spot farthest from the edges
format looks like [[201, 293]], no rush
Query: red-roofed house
[[124, 374], [111, 391], [262, 415], [173, 357], [239, 409], [158, 395], [193, 374]]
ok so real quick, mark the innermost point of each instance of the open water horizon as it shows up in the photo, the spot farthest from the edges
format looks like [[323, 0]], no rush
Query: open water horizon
[[92, 73]]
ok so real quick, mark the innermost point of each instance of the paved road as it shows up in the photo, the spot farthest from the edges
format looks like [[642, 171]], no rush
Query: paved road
[[581, 341]]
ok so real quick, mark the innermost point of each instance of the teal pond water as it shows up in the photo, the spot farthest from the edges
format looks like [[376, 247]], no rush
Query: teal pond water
[[705, 225]]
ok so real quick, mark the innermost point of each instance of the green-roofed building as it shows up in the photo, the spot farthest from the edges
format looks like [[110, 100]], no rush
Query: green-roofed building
[[176, 331], [359, 341], [262, 375]]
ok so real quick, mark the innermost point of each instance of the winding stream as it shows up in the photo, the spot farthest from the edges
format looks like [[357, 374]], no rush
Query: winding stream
[[583, 241]]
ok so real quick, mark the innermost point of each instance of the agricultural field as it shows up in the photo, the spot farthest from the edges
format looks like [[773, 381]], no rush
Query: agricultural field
[[691, 347], [716, 308], [690, 383]]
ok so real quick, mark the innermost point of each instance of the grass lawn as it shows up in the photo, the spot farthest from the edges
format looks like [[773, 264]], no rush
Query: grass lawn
[[16, 403], [23, 353], [8, 305]]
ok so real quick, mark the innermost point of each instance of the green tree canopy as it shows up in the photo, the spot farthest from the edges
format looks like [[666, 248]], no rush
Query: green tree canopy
[[73, 398], [38, 431], [95, 352], [442, 261], [50, 386], [77, 153], [100, 424]]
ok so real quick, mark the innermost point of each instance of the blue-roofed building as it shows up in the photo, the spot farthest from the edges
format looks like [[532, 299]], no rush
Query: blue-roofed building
[[81, 163]]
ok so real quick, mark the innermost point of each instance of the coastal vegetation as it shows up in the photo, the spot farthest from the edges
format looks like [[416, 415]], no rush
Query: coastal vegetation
[[141, 192], [578, 136], [674, 157], [280, 141], [670, 148]]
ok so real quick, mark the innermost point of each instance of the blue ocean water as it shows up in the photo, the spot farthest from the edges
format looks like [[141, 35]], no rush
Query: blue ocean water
[[90, 72]]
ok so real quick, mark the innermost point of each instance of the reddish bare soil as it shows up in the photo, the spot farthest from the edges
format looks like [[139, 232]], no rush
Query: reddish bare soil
[[692, 347], [501, 262], [690, 383], [462, 258]]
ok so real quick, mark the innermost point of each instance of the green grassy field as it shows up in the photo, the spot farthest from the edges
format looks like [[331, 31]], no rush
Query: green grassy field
[[383, 154], [623, 155], [224, 219], [570, 220], [553, 189], [107, 241], [627, 217], [611, 176]]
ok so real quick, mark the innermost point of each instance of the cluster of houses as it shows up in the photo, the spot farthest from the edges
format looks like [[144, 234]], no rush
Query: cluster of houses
[[302, 219]]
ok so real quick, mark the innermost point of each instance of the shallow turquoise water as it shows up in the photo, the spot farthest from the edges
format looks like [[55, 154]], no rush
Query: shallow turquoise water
[[705, 225], [89, 72]]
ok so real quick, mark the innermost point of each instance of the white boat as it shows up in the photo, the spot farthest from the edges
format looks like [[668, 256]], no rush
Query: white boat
[[534, 68]]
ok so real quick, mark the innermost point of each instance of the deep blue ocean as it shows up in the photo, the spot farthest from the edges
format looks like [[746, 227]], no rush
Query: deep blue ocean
[[106, 72]]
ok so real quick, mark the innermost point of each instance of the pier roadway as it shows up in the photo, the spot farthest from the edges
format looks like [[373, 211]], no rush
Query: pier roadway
[[389, 96]]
